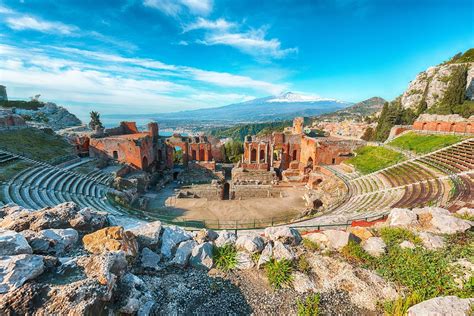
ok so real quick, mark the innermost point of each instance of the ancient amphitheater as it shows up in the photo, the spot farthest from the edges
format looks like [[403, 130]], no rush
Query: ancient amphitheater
[[444, 177]]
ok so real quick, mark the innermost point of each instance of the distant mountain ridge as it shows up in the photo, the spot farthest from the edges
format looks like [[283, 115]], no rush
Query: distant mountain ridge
[[271, 108]]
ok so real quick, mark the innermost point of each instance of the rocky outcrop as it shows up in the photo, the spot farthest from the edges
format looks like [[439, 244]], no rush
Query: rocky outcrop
[[148, 235], [374, 246], [13, 243], [111, 239], [183, 253], [251, 243], [172, 237], [402, 217], [445, 305], [201, 256], [16, 270], [56, 117], [52, 241], [284, 234]]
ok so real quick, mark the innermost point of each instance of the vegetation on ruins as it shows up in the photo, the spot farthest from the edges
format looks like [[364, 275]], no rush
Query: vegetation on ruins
[[24, 105], [370, 158], [310, 306], [303, 265], [423, 143], [392, 114], [225, 257], [95, 120], [369, 134], [467, 57], [233, 151], [279, 272], [35, 144], [423, 273], [310, 245]]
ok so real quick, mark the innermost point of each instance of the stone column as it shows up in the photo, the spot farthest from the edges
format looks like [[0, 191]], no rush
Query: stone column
[[258, 153]]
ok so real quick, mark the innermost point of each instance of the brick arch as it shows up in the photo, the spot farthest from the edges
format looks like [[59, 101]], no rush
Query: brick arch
[[253, 155]]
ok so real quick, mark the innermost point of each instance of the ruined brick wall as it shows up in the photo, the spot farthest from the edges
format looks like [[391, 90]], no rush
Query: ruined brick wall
[[298, 123], [210, 192], [248, 175], [125, 128], [244, 192], [444, 123]]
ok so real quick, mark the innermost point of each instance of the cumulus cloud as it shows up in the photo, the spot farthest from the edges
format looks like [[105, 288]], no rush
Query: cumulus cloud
[[33, 23], [176, 7]]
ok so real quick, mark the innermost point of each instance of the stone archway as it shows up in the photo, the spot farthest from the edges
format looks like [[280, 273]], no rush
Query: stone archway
[[295, 155], [262, 155], [253, 155], [145, 163]]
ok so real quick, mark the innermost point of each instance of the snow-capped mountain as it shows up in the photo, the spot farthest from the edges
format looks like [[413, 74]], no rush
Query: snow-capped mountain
[[282, 107]]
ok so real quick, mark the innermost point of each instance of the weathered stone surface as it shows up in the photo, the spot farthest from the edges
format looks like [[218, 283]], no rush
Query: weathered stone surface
[[302, 283], [431, 241], [16, 270], [362, 232], [407, 244], [364, 287], [149, 259], [244, 260], [466, 211], [55, 217], [447, 224], [111, 239], [251, 243], [172, 236], [444, 305], [337, 239], [282, 251], [183, 253], [284, 234], [87, 220], [374, 246], [319, 238], [148, 235], [133, 295], [266, 255], [201, 256], [225, 237], [52, 241], [13, 243], [106, 268], [402, 217], [205, 235]]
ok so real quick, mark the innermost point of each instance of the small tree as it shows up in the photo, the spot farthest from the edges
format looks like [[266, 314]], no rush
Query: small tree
[[95, 120]]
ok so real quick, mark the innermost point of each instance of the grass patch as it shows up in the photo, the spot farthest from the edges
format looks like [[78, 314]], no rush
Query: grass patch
[[400, 306], [353, 252], [310, 245], [8, 171], [393, 236], [35, 144], [303, 265], [309, 307], [422, 144], [225, 257], [371, 158], [279, 272]]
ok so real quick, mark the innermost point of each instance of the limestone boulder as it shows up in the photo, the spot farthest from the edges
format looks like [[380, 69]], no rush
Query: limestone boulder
[[337, 239], [201, 256], [361, 232], [52, 241], [148, 235], [205, 235], [106, 268], [149, 260], [87, 220], [13, 243], [284, 234], [225, 237], [466, 211], [374, 246], [183, 253], [319, 238], [444, 305], [447, 224], [407, 245], [266, 255], [400, 217], [172, 237], [250, 242], [244, 260], [133, 294], [302, 283], [16, 270], [282, 251], [430, 241], [111, 239]]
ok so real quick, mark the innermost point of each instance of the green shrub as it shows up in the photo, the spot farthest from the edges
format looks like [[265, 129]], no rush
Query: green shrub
[[279, 272], [255, 257], [400, 306], [393, 236], [225, 257], [354, 252], [310, 307], [303, 265], [310, 245], [371, 158]]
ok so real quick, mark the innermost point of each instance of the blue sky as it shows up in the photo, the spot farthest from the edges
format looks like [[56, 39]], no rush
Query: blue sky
[[149, 56]]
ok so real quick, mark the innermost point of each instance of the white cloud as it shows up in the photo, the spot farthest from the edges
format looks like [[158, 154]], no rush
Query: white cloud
[[204, 24], [252, 42], [176, 7], [31, 23]]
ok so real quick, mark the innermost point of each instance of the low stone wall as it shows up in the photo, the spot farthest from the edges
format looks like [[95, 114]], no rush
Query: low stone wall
[[255, 176], [245, 192], [209, 192]]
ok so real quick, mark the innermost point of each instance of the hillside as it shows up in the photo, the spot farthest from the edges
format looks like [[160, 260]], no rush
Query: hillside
[[272, 108], [356, 111]]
